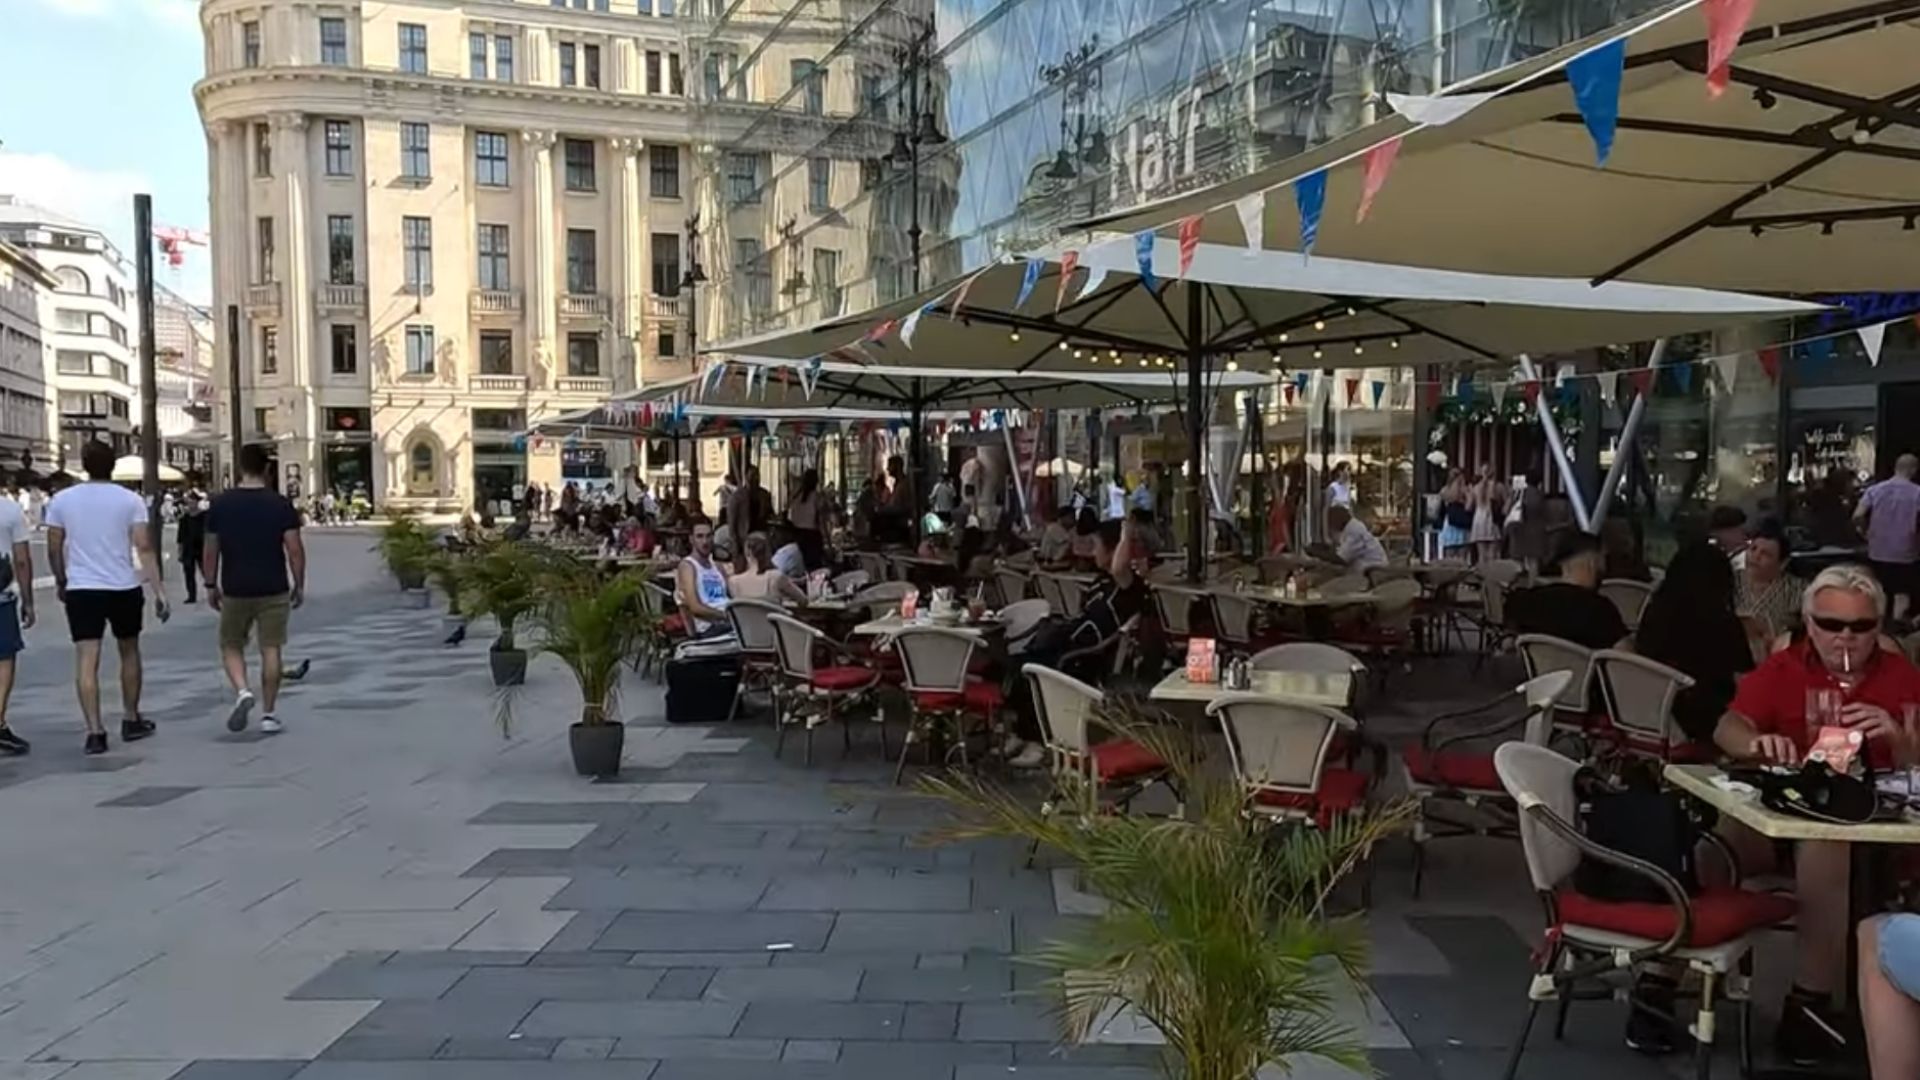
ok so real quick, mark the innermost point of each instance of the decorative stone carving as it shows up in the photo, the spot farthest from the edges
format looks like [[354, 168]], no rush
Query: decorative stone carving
[[543, 365], [539, 140], [288, 121]]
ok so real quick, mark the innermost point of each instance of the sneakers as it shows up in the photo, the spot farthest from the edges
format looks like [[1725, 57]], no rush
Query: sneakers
[[1651, 1027], [135, 729], [298, 673], [1031, 756], [96, 742], [1811, 1030], [270, 725], [1012, 746], [12, 744], [242, 707]]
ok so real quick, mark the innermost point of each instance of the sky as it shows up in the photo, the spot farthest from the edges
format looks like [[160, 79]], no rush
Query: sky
[[96, 103]]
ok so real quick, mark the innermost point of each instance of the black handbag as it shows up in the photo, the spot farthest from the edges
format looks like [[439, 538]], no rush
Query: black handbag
[[1638, 819], [1815, 792]]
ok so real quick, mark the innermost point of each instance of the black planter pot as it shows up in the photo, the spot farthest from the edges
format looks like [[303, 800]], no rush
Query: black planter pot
[[596, 748], [509, 666]]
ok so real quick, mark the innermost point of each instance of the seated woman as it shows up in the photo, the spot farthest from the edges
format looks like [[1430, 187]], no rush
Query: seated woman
[[1766, 595], [1690, 625], [761, 580]]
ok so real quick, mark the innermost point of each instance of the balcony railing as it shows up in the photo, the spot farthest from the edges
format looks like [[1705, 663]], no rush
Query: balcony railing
[[511, 383], [665, 307], [495, 302], [583, 305], [346, 299], [585, 384], [264, 298]]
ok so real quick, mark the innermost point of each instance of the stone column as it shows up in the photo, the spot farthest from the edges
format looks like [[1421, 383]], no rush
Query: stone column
[[296, 287], [542, 297], [628, 316]]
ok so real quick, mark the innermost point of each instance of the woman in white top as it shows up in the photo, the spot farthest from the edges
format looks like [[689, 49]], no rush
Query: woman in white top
[[761, 580], [1489, 509], [803, 513]]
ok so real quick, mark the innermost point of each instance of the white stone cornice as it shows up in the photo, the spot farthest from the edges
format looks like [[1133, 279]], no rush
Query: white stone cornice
[[626, 144], [536, 139], [288, 121]]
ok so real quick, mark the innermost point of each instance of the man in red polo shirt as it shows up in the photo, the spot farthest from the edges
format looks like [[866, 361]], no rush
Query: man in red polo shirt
[[1768, 722]]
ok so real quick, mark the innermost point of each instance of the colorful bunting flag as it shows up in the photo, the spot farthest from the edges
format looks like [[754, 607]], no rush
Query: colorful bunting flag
[[1642, 380], [1609, 383], [1728, 368], [1499, 389], [1289, 391], [912, 325], [1143, 253], [1530, 389], [1310, 197], [1871, 338], [1435, 111], [1818, 352], [1189, 241], [1027, 281], [1095, 275], [1068, 262], [1595, 77], [1379, 388], [1302, 380], [1353, 388], [1683, 377], [1726, 21], [1463, 388], [960, 294], [1379, 162], [1770, 363], [1251, 209]]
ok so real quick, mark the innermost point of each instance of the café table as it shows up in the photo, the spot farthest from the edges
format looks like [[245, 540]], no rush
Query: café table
[[1306, 687], [891, 623], [1309, 598]]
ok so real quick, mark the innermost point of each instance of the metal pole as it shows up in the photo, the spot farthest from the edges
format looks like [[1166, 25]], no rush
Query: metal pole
[[1628, 432], [1196, 437], [1013, 466], [1257, 498], [235, 424], [916, 457], [1557, 448], [149, 378]]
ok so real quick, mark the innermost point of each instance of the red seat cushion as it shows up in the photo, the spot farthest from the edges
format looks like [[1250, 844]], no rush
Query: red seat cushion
[[1340, 790], [979, 696], [843, 678], [1719, 915], [1451, 768], [674, 625], [1124, 759]]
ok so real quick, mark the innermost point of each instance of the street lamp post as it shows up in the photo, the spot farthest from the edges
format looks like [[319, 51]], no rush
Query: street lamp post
[[690, 283], [921, 128], [1081, 143]]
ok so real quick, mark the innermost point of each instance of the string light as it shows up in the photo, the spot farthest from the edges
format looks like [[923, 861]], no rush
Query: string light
[[1316, 352], [1283, 337], [1358, 349], [1233, 365], [1143, 361], [1394, 344], [1114, 353], [1351, 312], [1276, 358], [1117, 361], [1319, 324], [1013, 336], [1063, 344], [1077, 354]]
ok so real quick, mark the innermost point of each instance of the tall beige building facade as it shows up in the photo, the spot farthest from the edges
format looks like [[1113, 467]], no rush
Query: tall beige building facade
[[443, 220]]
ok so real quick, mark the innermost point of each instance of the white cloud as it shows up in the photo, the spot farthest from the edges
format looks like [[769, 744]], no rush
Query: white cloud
[[182, 14], [102, 198]]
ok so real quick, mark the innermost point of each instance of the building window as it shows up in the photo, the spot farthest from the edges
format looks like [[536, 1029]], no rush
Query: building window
[[262, 151], [583, 356], [663, 163], [653, 72], [420, 468], [819, 183], [419, 350], [492, 244], [811, 79], [753, 271], [413, 48], [710, 75], [579, 158], [477, 55], [345, 351], [339, 143], [416, 238], [569, 69], [826, 281], [503, 57], [496, 352], [869, 175], [676, 80], [74, 280], [263, 419], [666, 264], [509, 420], [873, 91], [416, 160], [490, 158], [580, 261], [743, 177], [269, 350], [250, 44], [333, 41], [665, 346], [263, 249], [590, 57], [339, 249]]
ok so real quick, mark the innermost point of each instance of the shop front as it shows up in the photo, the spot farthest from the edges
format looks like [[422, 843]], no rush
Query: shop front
[[346, 458]]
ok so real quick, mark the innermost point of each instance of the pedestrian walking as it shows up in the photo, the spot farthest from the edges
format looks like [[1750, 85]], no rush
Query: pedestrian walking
[[256, 570], [94, 530], [1890, 510], [16, 609], [192, 535]]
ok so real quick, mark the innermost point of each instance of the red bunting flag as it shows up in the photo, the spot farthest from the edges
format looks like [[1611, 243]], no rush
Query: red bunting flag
[[1770, 363], [1726, 21], [1432, 391], [1530, 389], [1379, 162], [1642, 380], [1189, 241], [1353, 389], [1288, 390], [1068, 262], [880, 331]]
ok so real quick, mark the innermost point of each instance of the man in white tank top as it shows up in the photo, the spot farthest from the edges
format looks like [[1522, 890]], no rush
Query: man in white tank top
[[701, 584]]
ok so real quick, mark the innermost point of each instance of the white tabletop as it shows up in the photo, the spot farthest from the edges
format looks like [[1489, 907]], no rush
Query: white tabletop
[[1307, 687], [892, 623], [1699, 781], [1273, 594]]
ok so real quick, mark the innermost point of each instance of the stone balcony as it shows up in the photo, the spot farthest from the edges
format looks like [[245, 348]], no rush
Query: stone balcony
[[598, 385], [509, 383], [584, 306], [495, 302], [331, 299], [665, 307], [264, 299]]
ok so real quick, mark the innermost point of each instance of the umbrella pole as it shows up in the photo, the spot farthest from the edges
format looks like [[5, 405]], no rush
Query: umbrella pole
[[1256, 499], [1629, 431], [1196, 435], [1557, 448], [916, 458]]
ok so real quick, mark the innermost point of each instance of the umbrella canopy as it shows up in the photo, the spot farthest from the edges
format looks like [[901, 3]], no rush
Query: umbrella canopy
[[1310, 313], [132, 468], [1802, 176], [623, 421]]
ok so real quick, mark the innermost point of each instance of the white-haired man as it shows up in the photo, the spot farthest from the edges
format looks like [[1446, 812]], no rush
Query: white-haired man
[[1768, 722]]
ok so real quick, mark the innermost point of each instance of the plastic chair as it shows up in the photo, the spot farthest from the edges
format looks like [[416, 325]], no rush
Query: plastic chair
[[817, 692], [1712, 933], [1639, 694], [1629, 596], [759, 652], [1279, 751], [874, 563], [1013, 584], [1047, 585], [1115, 771], [881, 597], [1233, 615], [934, 662], [851, 580], [1317, 657], [1175, 604], [669, 627], [1574, 711], [1073, 595]]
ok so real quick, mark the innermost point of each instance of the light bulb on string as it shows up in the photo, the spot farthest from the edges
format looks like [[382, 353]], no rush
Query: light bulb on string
[[1316, 352], [1393, 344], [1319, 324], [1358, 348], [1013, 336], [1063, 344], [1233, 365], [1351, 313]]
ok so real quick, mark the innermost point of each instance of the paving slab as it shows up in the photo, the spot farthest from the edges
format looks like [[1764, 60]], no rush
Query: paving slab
[[624, 1019], [749, 931]]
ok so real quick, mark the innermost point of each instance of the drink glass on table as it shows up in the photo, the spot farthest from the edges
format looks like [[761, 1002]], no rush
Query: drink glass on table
[[1823, 708], [1910, 722]]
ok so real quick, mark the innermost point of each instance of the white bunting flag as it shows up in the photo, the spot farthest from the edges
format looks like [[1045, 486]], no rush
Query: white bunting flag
[[1609, 381], [693, 423], [1871, 338], [1095, 275], [773, 424], [1729, 369], [1499, 394], [911, 324], [1562, 375], [1251, 208], [1436, 111]]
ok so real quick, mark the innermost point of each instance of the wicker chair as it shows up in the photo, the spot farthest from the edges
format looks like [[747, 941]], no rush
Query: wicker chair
[[759, 652], [816, 694], [934, 662], [1279, 751]]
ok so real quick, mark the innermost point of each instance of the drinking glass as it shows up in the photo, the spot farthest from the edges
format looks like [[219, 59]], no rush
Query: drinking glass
[[1910, 714], [1823, 708]]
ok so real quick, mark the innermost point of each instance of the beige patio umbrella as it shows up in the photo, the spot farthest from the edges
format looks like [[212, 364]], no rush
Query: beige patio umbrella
[[1803, 176]]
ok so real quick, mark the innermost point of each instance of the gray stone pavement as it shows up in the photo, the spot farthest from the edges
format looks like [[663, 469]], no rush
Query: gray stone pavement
[[392, 891]]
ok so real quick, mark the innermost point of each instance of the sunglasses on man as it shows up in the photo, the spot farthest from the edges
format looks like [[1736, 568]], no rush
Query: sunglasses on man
[[1835, 626]]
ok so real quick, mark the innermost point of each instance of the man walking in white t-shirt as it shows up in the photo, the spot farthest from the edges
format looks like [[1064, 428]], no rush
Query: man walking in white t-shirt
[[93, 529], [16, 610]]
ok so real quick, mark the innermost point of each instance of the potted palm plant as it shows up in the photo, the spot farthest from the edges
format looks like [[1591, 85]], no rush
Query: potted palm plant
[[591, 624], [501, 581], [448, 570], [407, 550], [1217, 929]]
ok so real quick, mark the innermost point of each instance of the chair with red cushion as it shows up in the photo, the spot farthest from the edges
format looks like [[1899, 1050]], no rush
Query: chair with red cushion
[[942, 694], [1111, 773], [669, 629], [1639, 694], [814, 693], [759, 657], [1279, 750], [1176, 604], [1575, 712], [1450, 770], [1712, 933]]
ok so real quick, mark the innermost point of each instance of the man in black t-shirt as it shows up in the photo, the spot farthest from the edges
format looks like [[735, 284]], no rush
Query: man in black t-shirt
[[1571, 608], [253, 540]]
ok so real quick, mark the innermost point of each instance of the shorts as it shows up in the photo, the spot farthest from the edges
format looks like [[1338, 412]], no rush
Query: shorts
[[1900, 952], [91, 611], [10, 640], [239, 614]]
